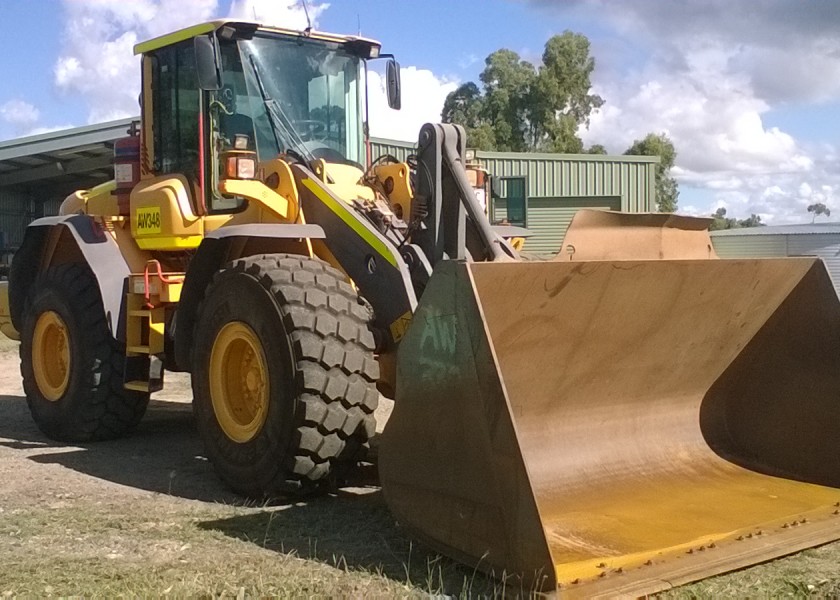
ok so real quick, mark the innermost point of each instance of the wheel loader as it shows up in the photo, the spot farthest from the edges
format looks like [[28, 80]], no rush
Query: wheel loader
[[632, 415]]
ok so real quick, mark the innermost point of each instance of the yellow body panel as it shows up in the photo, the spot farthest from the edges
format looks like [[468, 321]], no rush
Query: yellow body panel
[[162, 217], [98, 200], [345, 181], [400, 194], [175, 37], [286, 186], [343, 213], [102, 201], [257, 190]]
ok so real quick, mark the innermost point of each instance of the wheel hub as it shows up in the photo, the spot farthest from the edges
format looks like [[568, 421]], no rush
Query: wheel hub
[[51, 355], [239, 381]]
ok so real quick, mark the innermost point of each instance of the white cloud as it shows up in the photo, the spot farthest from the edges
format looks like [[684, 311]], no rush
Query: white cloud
[[423, 94], [97, 59], [283, 13], [19, 113], [97, 62], [710, 88]]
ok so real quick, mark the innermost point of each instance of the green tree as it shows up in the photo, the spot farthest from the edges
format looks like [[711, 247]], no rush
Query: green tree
[[720, 221], [464, 106], [819, 209], [508, 81], [561, 99], [595, 149], [754, 220], [658, 144], [522, 108]]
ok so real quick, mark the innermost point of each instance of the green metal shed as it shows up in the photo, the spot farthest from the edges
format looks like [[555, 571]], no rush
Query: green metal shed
[[558, 185]]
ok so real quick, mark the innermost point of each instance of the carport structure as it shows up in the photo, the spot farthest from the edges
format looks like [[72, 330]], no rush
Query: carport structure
[[37, 172]]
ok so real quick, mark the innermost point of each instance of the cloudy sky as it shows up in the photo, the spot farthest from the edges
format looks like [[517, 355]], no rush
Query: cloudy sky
[[748, 91]]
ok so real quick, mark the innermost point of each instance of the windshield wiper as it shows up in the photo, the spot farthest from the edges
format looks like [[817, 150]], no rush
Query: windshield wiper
[[281, 125]]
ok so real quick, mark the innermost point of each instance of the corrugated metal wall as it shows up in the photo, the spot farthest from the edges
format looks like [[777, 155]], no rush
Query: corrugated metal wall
[[396, 148], [557, 175], [559, 185], [825, 246], [16, 212], [548, 218], [745, 246]]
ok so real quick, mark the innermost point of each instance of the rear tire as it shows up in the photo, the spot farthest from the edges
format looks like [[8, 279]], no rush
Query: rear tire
[[72, 367], [284, 376]]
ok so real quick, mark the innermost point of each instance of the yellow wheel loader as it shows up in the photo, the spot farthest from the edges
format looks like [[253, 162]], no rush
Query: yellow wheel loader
[[632, 415]]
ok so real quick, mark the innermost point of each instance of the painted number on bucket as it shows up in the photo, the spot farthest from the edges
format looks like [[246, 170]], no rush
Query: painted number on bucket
[[148, 220]]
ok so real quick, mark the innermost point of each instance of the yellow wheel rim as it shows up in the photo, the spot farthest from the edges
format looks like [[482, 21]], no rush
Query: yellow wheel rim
[[51, 355], [239, 382]]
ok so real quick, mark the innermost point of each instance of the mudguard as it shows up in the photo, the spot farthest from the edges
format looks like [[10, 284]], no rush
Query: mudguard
[[87, 243]]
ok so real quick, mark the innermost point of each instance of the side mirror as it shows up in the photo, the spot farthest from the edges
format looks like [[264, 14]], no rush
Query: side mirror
[[207, 64], [392, 76]]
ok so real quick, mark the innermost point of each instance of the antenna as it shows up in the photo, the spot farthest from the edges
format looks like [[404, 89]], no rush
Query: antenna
[[308, 20], [359, 22]]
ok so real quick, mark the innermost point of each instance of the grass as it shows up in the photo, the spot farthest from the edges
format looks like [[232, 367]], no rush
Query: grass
[[160, 545], [159, 550], [334, 546]]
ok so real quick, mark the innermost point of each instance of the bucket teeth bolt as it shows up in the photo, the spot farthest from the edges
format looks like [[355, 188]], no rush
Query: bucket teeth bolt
[[836, 511], [740, 538], [648, 563], [803, 521], [601, 566], [786, 526], [575, 581], [620, 570], [602, 574], [712, 545]]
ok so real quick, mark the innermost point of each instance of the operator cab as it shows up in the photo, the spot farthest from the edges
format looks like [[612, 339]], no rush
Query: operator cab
[[222, 98]]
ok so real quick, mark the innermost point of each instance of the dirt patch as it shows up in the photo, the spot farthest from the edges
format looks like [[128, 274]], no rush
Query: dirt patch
[[147, 515]]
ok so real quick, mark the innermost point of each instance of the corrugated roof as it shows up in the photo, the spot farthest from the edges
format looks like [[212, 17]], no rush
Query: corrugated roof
[[798, 229], [74, 155], [542, 156]]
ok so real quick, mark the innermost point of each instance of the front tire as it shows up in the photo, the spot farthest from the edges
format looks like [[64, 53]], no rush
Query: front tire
[[284, 376], [72, 367]]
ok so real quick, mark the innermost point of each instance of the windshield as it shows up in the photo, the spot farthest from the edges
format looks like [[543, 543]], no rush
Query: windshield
[[292, 94]]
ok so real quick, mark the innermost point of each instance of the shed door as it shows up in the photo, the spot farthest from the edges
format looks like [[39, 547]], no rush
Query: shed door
[[514, 202]]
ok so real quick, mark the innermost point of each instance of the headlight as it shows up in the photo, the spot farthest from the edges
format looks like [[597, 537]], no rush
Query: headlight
[[241, 167]]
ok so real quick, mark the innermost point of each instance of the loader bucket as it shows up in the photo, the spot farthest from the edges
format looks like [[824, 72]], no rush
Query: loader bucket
[[611, 235], [618, 427]]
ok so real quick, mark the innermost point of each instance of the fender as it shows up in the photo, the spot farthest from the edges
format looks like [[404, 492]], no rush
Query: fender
[[217, 249], [69, 238]]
